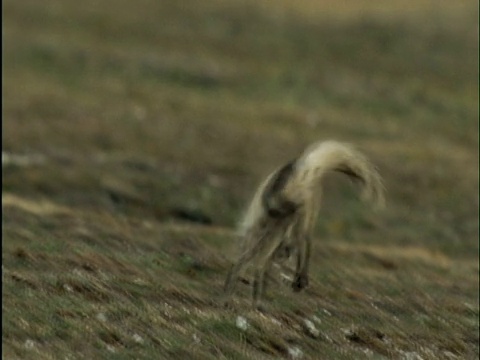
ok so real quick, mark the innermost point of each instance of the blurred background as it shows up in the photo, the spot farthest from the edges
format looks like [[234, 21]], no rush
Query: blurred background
[[188, 104], [135, 133]]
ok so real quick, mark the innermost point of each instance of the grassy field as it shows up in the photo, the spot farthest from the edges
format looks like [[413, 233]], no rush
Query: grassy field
[[135, 132]]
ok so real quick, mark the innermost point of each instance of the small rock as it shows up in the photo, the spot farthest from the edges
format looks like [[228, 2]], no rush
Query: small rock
[[138, 339], [286, 278], [241, 323], [410, 355], [295, 352], [276, 322], [29, 344], [449, 355], [101, 317], [196, 339], [21, 160], [311, 329]]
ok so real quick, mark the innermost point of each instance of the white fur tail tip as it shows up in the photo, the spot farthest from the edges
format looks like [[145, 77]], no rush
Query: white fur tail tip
[[331, 155]]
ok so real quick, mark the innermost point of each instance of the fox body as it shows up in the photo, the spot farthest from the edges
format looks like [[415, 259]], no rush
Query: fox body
[[283, 211]]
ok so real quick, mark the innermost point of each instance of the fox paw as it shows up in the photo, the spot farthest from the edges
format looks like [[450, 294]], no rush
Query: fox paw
[[300, 282]]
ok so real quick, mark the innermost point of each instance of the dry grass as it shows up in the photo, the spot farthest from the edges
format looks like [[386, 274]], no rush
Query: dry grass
[[134, 138]]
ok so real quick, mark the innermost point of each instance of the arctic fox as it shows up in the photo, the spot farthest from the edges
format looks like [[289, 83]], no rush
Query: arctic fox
[[282, 214]]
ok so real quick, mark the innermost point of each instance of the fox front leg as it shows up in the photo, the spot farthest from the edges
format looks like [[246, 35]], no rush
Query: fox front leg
[[300, 280]]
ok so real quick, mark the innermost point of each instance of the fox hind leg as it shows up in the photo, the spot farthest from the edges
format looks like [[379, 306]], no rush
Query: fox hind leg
[[300, 280]]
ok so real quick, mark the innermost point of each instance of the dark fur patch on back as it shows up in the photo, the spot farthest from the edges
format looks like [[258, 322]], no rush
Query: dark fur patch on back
[[275, 186], [280, 179]]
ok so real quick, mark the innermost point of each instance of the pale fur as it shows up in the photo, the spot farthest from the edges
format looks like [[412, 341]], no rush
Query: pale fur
[[279, 222]]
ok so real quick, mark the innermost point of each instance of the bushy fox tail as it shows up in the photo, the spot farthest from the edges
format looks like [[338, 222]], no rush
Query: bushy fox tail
[[323, 157]]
